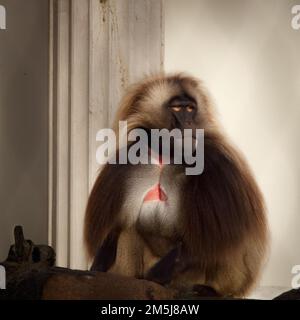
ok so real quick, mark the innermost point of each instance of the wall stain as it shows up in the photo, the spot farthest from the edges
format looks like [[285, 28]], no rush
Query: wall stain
[[103, 4], [123, 70]]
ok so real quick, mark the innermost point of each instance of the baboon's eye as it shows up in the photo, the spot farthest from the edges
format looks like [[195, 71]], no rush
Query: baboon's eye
[[189, 108], [176, 108]]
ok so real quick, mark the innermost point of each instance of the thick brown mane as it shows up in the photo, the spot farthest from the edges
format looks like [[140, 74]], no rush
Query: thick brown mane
[[223, 227]]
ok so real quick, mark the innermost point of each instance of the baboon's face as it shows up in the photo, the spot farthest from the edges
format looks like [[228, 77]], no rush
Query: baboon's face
[[166, 103]]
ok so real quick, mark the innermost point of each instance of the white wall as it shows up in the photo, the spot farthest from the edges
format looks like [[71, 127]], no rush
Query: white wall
[[248, 56], [23, 121]]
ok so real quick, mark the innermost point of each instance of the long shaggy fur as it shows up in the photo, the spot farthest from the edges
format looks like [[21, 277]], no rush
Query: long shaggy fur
[[222, 223]]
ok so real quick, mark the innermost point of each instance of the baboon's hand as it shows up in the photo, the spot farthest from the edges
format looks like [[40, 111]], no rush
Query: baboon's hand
[[162, 272]]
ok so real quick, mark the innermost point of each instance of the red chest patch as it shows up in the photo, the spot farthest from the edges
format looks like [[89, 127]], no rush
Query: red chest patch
[[155, 194]]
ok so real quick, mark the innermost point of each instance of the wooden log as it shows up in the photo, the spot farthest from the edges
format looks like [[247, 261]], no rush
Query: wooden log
[[293, 294], [31, 275], [103, 286]]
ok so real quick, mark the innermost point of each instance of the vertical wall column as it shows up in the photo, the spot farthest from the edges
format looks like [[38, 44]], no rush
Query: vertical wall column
[[98, 47]]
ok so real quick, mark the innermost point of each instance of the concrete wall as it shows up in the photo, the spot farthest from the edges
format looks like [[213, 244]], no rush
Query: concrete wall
[[248, 55], [23, 121]]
